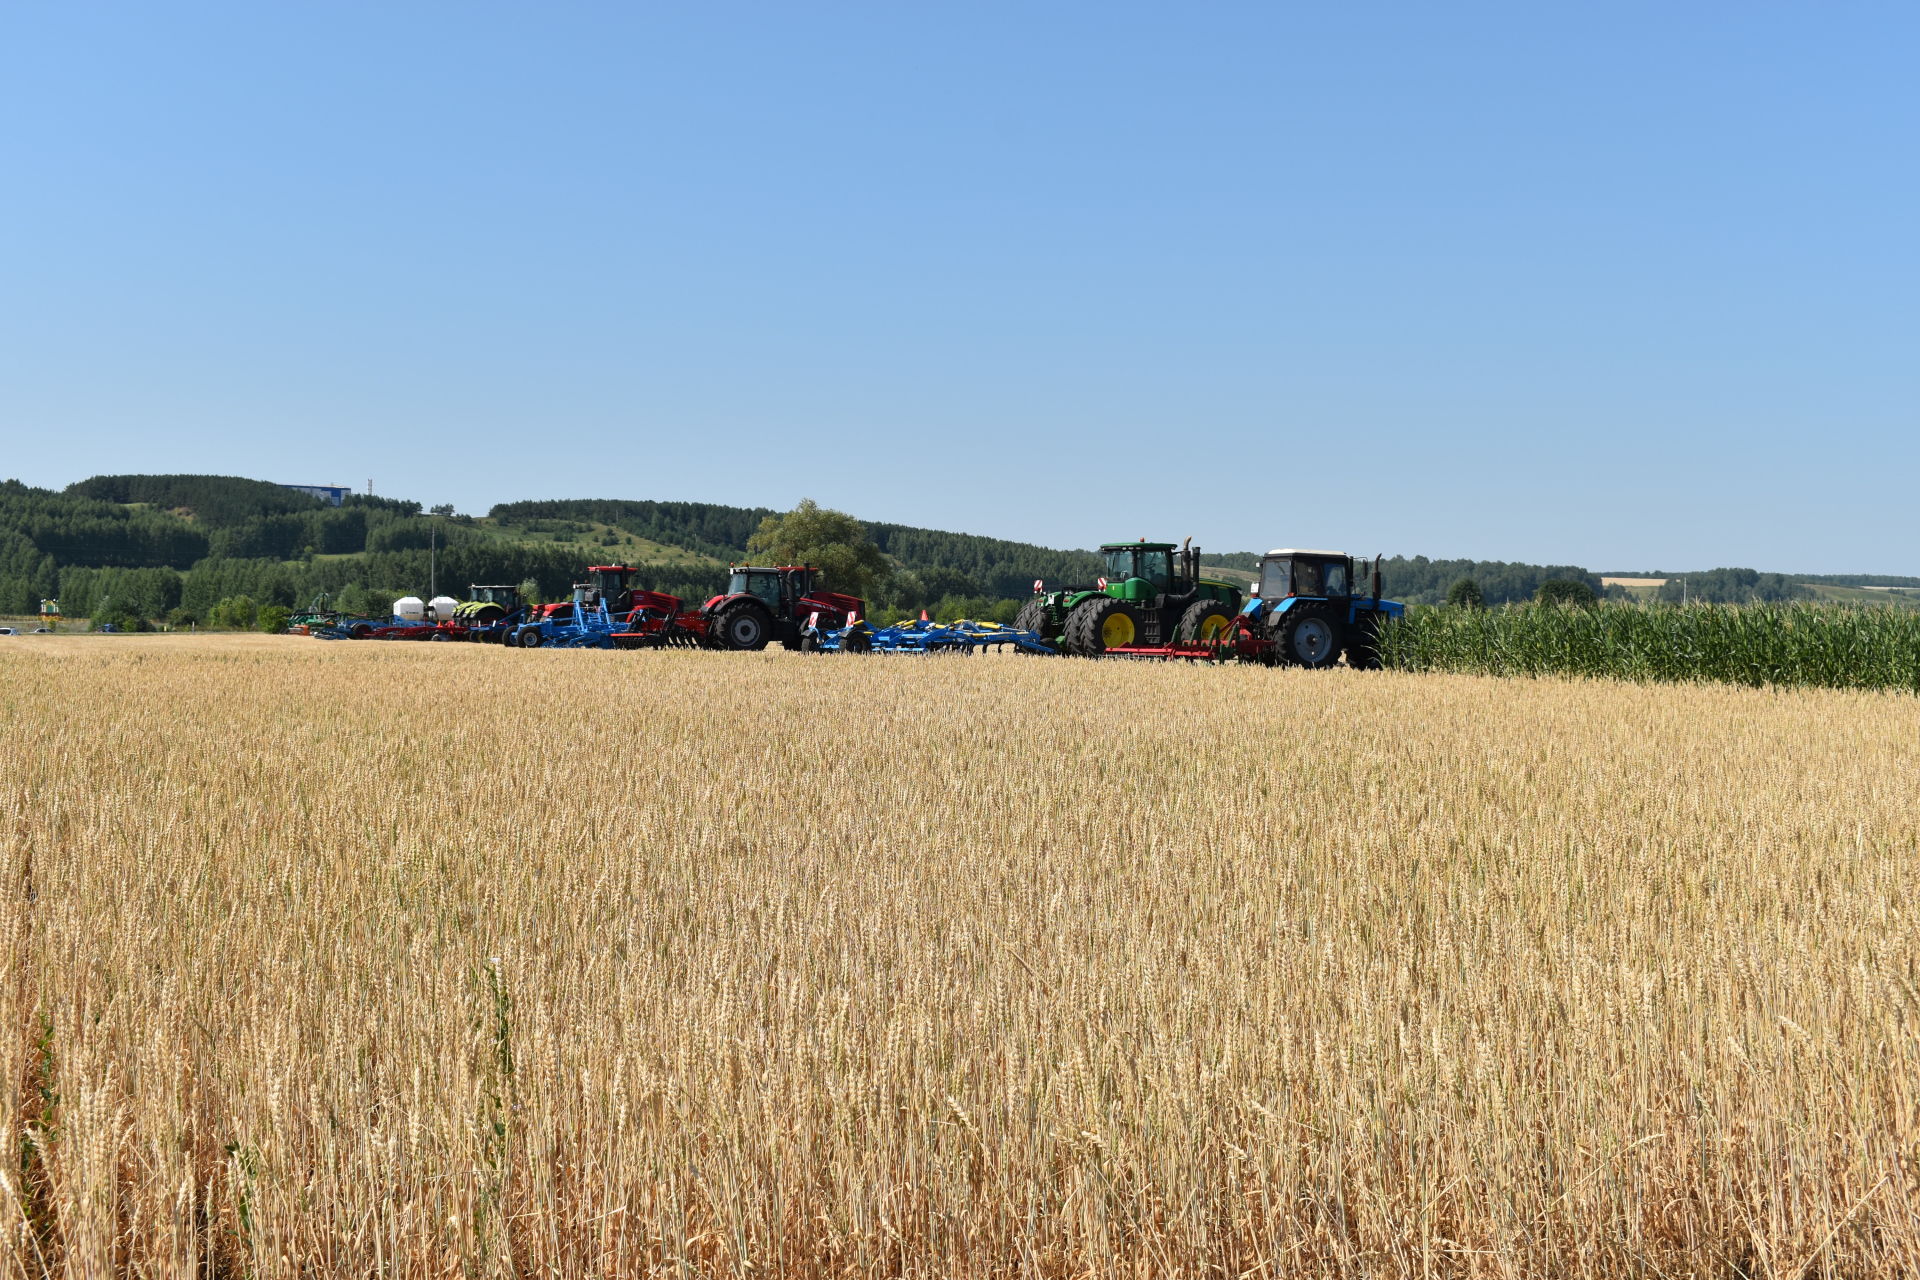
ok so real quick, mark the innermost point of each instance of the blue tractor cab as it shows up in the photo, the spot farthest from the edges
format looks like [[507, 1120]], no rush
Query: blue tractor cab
[[1309, 607]]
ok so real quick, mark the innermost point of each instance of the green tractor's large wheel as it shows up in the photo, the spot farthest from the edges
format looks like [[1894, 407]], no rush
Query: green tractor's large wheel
[[1035, 617], [1207, 622], [1309, 637], [1363, 647], [1101, 624], [742, 625]]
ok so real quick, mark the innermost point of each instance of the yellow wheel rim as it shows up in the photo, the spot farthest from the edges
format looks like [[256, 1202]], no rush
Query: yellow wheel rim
[[1213, 627], [1117, 631]]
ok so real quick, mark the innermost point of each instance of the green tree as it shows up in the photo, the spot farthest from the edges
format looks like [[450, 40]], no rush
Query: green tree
[[1566, 591], [1465, 594], [237, 612], [272, 618], [831, 541]]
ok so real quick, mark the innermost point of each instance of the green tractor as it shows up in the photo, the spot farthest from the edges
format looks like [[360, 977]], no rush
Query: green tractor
[[1152, 597]]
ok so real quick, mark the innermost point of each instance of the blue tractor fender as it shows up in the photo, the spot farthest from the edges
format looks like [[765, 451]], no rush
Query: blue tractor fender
[[1262, 608]]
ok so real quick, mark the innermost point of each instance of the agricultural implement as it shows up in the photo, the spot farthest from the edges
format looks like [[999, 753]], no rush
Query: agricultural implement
[[587, 624], [315, 617], [611, 583], [962, 637], [348, 627], [1151, 603]]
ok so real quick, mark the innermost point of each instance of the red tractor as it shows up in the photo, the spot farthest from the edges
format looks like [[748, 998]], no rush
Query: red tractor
[[778, 603], [759, 605], [609, 582]]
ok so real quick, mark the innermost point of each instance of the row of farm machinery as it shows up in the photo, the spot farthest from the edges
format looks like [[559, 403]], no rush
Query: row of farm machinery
[[1304, 608]]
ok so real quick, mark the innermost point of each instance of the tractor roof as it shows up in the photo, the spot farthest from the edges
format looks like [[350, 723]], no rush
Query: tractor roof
[[609, 568], [1142, 545], [1300, 551]]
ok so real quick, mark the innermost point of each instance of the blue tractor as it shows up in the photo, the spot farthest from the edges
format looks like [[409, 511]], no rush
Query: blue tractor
[[1309, 607]]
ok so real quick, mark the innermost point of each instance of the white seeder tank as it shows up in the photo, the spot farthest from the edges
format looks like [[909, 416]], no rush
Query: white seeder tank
[[410, 609], [441, 608]]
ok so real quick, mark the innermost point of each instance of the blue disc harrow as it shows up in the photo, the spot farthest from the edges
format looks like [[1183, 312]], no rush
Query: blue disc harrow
[[963, 637]]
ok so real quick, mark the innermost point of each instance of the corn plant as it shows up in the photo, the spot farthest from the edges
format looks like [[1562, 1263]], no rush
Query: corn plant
[[1817, 645]]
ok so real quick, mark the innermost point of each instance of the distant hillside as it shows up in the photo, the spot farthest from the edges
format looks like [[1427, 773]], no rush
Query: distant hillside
[[1418, 580], [947, 564], [215, 501], [154, 546], [173, 545]]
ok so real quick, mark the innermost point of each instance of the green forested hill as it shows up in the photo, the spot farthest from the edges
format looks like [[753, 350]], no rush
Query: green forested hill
[[155, 547], [944, 564], [173, 546]]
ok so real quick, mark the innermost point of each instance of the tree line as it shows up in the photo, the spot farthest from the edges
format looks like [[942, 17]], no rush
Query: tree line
[[175, 546]]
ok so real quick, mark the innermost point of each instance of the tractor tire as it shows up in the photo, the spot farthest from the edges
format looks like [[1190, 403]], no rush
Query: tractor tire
[[360, 630], [1308, 637], [531, 639], [794, 644], [1034, 617], [1206, 622], [744, 626], [856, 642], [1363, 646], [439, 635], [1102, 624]]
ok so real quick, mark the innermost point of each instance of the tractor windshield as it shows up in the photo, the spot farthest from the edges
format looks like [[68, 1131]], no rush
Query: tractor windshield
[[1120, 564], [764, 585], [1157, 567], [1336, 578], [1276, 580]]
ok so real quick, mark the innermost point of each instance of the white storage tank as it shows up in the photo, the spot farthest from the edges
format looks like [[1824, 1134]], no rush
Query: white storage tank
[[440, 608], [410, 609]]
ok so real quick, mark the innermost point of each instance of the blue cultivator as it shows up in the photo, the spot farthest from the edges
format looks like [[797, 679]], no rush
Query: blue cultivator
[[590, 627], [964, 637]]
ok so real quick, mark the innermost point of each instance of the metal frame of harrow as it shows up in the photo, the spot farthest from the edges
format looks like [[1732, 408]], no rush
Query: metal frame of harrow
[[962, 637]]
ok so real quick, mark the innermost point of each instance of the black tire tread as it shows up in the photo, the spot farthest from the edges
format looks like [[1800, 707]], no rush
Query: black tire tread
[[1085, 622], [726, 613], [1363, 646], [1290, 621], [1187, 631]]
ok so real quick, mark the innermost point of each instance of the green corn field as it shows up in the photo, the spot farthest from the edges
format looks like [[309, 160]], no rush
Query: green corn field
[[1815, 645]]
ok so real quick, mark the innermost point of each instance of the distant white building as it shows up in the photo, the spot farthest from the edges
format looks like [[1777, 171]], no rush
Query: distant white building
[[332, 494]]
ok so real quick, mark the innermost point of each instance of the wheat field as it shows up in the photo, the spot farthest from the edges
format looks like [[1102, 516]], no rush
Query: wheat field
[[433, 960]]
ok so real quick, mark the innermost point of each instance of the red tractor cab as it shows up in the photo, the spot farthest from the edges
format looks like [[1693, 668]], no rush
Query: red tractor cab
[[765, 603], [612, 583]]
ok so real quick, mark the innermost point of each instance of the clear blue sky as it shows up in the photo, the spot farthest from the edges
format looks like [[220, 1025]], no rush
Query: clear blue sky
[[1633, 288]]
